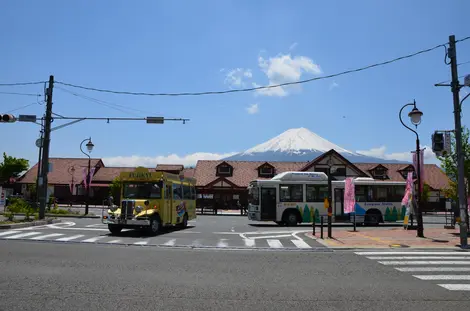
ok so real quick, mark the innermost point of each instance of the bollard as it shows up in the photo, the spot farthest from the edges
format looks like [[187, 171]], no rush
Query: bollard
[[329, 227], [313, 226], [354, 222], [321, 227]]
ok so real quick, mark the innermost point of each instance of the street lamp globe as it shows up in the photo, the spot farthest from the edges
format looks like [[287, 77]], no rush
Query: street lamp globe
[[89, 146], [415, 116]]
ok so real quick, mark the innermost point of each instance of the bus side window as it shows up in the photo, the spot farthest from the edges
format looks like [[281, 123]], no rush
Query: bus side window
[[193, 193], [186, 192], [361, 194], [291, 193], [177, 192], [167, 191], [311, 193]]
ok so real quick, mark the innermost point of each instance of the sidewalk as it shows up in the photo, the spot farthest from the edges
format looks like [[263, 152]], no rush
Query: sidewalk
[[390, 238]]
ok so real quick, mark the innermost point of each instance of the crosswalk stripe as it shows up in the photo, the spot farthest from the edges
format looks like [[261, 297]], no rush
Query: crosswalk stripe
[[196, 243], [412, 253], [222, 243], [434, 269], [94, 239], [114, 241], [403, 263], [69, 238], [443, 277], [463, 287], [419, 257], [170, 242], [8, 232], [300, 243], [274, 243], [249, 242], [22, 235], [43, 237], [141, 243]]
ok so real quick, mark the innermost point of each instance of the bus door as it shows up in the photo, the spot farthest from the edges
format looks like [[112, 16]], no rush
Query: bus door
[[168, 204], [268, 203], [339, 203]]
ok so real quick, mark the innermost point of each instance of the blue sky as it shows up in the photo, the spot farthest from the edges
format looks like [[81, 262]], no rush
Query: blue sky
[[186, 46]]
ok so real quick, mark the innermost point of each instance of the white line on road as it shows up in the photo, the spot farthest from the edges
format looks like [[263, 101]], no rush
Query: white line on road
[[170, 242], [300, 243], [22, 235], [412, 253], [8, 232], [443, 277], [433, 269], [403, 263], [196, 243], [270, 236], [419, 257], [274, 243], [94, 239], [43, 237], [114, 241], [141, 243], [465, 287], [69, 238], [185, 231], [222, 243], [250, 243]]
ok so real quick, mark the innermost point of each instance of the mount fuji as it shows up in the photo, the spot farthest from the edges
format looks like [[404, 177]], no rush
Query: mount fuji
[[298, 145]]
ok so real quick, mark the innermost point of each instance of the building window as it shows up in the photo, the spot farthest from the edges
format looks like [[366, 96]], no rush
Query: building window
[[266, 171], [224, 170], [404, 172], [291, 193], [340, 171], [380, 173]]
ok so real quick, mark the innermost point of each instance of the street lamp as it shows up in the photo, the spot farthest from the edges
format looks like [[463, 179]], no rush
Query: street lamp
[[89, 147], [415, 117]]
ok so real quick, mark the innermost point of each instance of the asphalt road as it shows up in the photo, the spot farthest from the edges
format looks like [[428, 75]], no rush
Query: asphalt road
[[50, 276]]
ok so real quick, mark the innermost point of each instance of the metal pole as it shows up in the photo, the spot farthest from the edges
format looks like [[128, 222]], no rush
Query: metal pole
[[455, 86], [330, 199], [45, 151], [321, 227], [354, 221], [420, 231], [88, 187], [38, 188]]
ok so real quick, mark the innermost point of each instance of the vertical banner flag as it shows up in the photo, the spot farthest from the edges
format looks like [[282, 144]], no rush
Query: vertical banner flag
[[92, 172], [407, 200], [349, 196], [421, 166], [84, 177]]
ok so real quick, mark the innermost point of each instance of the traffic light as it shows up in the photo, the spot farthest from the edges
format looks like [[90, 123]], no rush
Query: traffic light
[[437, 142], [7, 118]]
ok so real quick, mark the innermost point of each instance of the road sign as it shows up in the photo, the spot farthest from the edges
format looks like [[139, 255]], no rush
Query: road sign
[[155, 120], [39, 142], [27, 118]]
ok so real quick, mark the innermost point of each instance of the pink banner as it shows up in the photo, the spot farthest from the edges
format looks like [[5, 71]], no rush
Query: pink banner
[[349, 196], [92, 172], [85, 184], [409, 185]]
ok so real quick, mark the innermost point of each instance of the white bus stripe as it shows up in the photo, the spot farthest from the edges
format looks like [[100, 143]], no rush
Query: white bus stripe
[[8, 232], [420, 257], [274, 243], [170, 242], [443, 277], [141, 243], [68, 238], [412, 253], [433, 269], [250, 243], [22, 235], [300, 244], [42, 237], [403, 263], [465, 287], [94, 239]]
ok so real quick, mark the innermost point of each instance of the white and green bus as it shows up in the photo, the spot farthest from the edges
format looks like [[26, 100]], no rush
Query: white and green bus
[[291, 198]]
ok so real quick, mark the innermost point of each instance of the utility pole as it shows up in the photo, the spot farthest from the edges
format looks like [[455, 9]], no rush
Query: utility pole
[[45, 150], [455, 86]]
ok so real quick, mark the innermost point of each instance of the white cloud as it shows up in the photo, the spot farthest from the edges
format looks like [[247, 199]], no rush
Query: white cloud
[[380, 152], [285, 68], [236, 77], [187, 160], [333, 85], [252, 109]]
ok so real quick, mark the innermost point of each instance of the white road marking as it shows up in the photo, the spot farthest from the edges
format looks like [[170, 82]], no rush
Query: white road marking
[[170, 242], [443, 277], [403, 263], [185, 231], [222, 243], [433, 269], [300, 244], [419, 257], [233, 229], [22, 235], [43, 237], [464, 287], [196, 243], [8, 232], [94, 239], [114, 241], [69, 238], [413, 253], [250, 243], [141, 243], [274, 243], [271, 236]]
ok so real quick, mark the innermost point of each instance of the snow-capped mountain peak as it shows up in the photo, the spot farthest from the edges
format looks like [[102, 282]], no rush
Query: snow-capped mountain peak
[[297, 140]]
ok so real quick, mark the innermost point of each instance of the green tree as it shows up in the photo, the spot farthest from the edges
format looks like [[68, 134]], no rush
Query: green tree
[[115, 188], [12, 167]]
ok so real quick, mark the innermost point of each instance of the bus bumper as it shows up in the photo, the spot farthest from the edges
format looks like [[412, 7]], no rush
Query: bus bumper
[[127, 222]]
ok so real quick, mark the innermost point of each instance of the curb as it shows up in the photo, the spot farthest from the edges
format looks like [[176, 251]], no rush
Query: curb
[[30, 224], [62, 216]]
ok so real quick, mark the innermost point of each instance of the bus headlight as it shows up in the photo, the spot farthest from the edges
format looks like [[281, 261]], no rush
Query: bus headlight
[[113, 208], [139, 209]]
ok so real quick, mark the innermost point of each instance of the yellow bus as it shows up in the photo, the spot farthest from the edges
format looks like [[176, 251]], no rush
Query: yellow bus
[[152, 200]]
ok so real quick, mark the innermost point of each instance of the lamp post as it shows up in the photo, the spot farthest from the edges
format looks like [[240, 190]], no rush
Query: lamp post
[[71, 171], [415, 118], [89, 147]]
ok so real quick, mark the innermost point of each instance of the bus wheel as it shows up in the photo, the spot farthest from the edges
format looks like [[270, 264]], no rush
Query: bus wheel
[[114, 229], [372, 219], [291, 219], [155, 225]]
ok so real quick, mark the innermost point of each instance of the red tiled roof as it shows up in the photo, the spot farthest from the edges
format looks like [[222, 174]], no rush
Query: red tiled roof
[[169, 167], [60, 170], [189, 172], [243, 171]]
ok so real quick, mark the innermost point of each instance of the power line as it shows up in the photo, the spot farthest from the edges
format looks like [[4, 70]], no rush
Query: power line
[[22, 107], [24, 94], [463, 63], [260, 87], [21, 83]]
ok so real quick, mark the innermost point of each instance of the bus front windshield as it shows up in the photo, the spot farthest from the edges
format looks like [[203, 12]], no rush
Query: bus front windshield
[[253, 195], [146, 190]]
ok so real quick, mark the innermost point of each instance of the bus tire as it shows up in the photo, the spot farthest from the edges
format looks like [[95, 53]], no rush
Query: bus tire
[[291, 217], [155, 225], [373, 217], [114, 229]]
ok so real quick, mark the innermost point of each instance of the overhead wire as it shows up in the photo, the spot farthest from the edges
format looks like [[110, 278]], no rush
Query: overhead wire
[[21, 83], [22, 107], [22, 94]]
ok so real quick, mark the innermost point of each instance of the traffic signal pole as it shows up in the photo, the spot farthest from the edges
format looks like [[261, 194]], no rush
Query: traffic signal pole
[[462, 198], [45, 150]]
